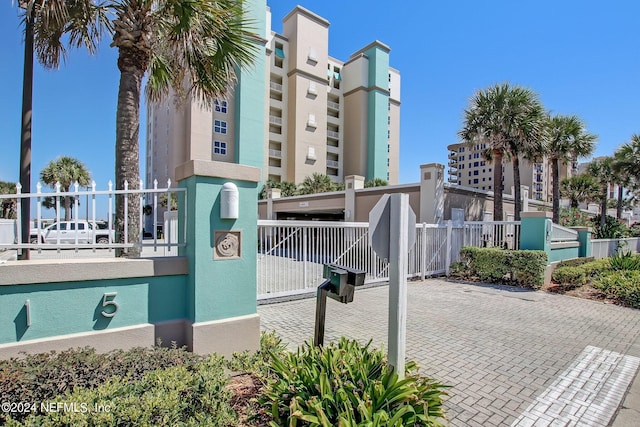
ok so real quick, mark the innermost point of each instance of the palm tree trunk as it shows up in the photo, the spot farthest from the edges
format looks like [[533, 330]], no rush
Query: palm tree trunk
[[25, 137], [619, 204], [517, 204], [127, 150], [555, 177], [603, 206], [66, 203], [497, 185]]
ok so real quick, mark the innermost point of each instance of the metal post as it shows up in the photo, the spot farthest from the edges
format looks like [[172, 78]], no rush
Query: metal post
[[448, 254], [398, 269], [321, 310]]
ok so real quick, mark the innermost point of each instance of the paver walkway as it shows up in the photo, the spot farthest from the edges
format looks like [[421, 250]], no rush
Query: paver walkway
[[513, 357]]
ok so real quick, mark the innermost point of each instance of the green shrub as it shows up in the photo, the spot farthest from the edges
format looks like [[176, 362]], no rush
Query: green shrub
[[594, 268], [180, 395], [569, 277], [625, 261], [41, 377], [348, 384], [575, 262], [613, 228], [621, 286], [258, 362], [521, 268]]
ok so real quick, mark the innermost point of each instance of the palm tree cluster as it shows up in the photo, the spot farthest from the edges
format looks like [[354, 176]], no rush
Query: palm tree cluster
[[193, 47], [511, 122], [313, 184]]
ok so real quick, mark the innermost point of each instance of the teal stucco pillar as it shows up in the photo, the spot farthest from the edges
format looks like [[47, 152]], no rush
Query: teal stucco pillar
[[221, 248], [584, 237], [535, 231]]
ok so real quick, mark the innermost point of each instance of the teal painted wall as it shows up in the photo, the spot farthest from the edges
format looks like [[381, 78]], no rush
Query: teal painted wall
[[250, 96], [378, 112], [562, 254], [219, 289], [533, 234], [75, 307]]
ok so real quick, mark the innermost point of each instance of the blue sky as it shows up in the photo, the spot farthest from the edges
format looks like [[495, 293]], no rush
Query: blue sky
[[581, 57]]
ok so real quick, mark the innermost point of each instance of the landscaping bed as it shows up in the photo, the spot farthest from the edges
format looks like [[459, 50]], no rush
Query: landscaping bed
[[343, 383]]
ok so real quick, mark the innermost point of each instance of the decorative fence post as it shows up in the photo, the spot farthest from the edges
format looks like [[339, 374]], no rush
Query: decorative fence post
[[584, 237], [221, 295], [535, 231]]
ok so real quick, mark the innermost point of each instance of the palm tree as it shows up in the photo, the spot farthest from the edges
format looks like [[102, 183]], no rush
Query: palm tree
[[628, 159], [579, 188], [626, 166], [601, 169], [7, 206], [567, 140], [287, 188], [509, 121], [376, 182], [45, 22], [66, 171], [316, 183], [192, 46]]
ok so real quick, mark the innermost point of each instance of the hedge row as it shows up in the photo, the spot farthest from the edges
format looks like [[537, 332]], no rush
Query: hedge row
[[502, 266]]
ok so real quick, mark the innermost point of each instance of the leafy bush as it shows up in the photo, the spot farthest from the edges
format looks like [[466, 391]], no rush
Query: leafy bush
[[180, 395], [348, 384], [574, 217], [613, 228], [625, 261], [575, 262], [520, 268], [621, 286], [569, 277], [258, 362], [42, 377]]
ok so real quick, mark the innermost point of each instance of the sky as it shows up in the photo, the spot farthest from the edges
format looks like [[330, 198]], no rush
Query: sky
[[581, 57]]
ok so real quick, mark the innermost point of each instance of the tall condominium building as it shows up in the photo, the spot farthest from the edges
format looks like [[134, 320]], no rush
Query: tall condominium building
[[468, 168], [318, 114]]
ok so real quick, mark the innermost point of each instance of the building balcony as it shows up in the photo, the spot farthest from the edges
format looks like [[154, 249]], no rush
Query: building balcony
[[453, 154], [333, 106], [275, 120], [275, 86], [333, 134], [453, 171], [275, 153], [333, 164]]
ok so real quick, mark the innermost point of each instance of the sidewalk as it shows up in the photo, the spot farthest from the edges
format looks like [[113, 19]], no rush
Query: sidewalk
[[513, 357]]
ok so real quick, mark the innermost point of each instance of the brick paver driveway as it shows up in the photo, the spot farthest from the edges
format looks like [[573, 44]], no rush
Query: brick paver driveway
[[513, 357]]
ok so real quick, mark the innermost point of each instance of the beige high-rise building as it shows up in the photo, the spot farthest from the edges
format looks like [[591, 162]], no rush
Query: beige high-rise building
[[468, 168], [318, 114]]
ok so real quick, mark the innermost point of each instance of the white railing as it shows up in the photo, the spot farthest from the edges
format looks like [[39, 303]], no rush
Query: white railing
[[501, 234], [98, 219], [563, 234], [603, 248], [291, 254]]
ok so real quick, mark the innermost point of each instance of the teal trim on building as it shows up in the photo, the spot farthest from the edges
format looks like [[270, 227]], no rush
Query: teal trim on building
[[220, 288], [378, 112], [250, 96], [75, 307]]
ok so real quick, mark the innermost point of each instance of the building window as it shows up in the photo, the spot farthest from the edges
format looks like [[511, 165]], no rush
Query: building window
[[461, 150], [475, 172], [482, 163], [221, 106], [220, 126], [475, 181], [461, 158], [475, 164], [220, 148]]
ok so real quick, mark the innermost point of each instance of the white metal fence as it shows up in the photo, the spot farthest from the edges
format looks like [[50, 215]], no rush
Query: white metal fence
[[291, 254], [93, 226], [603, 248]]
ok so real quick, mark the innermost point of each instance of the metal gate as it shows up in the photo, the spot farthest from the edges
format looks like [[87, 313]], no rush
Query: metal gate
[[291, 254]]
